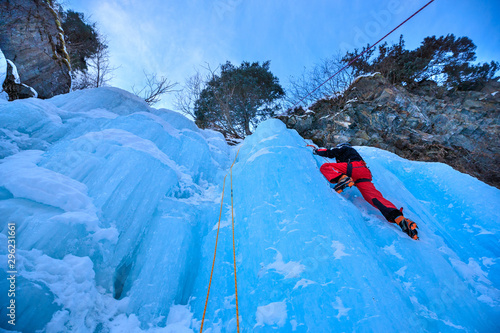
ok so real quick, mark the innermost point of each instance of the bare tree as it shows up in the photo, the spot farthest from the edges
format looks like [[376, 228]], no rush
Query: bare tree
[[80, 80], [193, 88], [154, 89], [190, 93], [99, 64], [224, 98], [99, 71], [310, 79]]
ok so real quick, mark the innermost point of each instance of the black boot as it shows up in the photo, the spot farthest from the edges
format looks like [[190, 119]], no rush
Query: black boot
[[408, 226]]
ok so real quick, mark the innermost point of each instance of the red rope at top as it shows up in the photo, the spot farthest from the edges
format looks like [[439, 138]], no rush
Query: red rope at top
[[353, 60]]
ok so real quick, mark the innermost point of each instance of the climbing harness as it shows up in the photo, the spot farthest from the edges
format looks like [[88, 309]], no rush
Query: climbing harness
[[349, 172], [234, 248]]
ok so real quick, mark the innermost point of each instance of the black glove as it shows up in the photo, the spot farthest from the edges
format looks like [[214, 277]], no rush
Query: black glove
[[320, 152]]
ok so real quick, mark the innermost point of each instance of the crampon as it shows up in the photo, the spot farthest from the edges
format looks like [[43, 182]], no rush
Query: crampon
[[344, 181], [408, 226]]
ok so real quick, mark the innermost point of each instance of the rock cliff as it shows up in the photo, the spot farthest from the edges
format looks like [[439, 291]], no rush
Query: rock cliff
[[31, 36], [429, 123]]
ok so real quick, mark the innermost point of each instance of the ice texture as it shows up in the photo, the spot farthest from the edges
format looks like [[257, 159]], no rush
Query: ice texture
[[3, 75], [116, 207]]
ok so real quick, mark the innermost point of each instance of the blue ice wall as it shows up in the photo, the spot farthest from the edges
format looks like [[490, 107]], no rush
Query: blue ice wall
[[116, 207]]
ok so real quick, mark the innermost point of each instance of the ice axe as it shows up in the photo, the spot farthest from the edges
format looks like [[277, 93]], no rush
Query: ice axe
[[312, 146]]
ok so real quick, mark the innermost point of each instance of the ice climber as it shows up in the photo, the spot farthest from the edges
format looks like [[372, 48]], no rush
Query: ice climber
[[350, 170]]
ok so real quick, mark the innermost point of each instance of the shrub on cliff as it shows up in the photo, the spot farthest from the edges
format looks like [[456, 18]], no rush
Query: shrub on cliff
[[88, 51], [82, 39], [448, 60]]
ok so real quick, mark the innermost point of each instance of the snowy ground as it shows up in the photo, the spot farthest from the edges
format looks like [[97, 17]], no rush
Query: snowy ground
[[116, 205]]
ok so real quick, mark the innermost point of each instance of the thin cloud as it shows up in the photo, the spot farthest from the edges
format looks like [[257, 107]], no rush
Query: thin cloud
[[172, 38]]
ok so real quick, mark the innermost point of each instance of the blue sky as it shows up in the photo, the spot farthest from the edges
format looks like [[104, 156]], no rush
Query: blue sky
[[173, 38]]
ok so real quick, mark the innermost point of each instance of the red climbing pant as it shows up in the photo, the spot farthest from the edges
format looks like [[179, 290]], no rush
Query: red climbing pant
[[362, 178]]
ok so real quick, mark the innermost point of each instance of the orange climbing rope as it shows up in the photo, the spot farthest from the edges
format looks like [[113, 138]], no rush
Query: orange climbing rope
[[234, 257], [234, 248], [215, 252]]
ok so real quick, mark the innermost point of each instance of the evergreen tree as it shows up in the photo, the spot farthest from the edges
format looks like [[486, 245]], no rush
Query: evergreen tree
[[82, 39], [238, 98], [88, 51], [447, 60]]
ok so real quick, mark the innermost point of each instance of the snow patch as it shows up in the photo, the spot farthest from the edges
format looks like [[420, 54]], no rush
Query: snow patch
[[271, 314], [289, 270], [303, 283], [482, 231], [363, 76], [339, 306], [179, 320], [488, 261], [17, 79], [261, 152], [272, 137], [24, 179], [392, 251], [33, 91], [339, 250], [401, 272], [71, 280]]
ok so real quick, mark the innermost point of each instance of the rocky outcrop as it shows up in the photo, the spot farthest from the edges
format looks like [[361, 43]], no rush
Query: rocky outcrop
[[31, 36], [13, 86], [429, 123]]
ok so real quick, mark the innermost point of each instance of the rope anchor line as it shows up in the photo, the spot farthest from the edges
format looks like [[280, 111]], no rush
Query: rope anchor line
[[353, 60]]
